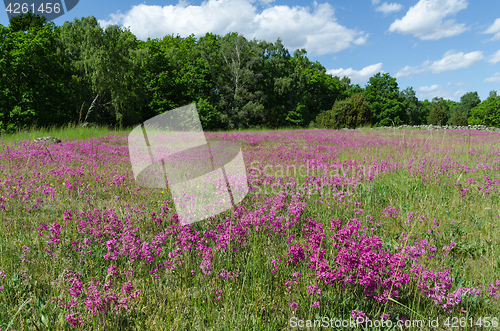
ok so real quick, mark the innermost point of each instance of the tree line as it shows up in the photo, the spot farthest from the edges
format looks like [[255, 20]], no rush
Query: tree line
[[82, 73]]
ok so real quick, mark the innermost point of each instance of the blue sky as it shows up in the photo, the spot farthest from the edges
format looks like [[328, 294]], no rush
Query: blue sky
[[441, 48]]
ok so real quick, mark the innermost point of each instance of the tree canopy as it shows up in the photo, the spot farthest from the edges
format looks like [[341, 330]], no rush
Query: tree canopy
[[77, 72], [382, 93], [25, 22], [487, 112]]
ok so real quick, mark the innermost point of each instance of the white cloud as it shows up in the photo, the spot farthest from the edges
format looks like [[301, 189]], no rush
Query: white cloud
[[451, 61], [493, 79], [357, 76], [407, 70], [375, 2], [495, 58], [266, 2], [494, 28], [183, 3], [425, 19], [387, 8], [431, 88], [430, 92], [458, 83], [316, 29]]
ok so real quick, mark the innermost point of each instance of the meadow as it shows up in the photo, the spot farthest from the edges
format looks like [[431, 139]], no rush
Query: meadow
[[376, 229]]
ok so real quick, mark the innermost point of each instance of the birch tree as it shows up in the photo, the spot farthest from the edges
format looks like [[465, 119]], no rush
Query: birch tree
[[108, 65]]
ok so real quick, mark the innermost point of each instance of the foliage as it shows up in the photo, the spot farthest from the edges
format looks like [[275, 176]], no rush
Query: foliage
[[321, 89], [487, 112], [445, 107], [209, 115], [353, 89], [437, 115], [350, 113], [458, 119], [177, 74], [382, 93], [33, 83], [456, 108], [239, 102], [107, 67], [469, 101], [81, 73], [412, 106], [25, 22]]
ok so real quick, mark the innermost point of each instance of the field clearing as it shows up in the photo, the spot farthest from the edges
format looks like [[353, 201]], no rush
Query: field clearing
[[391, 225]]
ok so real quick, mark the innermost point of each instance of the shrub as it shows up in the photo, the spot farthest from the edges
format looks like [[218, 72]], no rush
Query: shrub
[[349, 113], [436, 116], [458, 119]]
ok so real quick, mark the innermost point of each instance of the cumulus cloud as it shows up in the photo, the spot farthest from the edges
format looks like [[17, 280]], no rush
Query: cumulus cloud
[[494, 28], [316, 29], [426, 21], [357, 76], [431, 88], [493, 79], [495, 58], [388, 8], [266, 2], [451, 61], [408, 70]]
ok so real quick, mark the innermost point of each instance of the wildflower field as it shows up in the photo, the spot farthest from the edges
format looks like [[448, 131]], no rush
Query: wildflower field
[[352, 225]]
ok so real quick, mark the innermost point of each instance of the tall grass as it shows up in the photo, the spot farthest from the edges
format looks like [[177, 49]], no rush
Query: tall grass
[[68, 132]]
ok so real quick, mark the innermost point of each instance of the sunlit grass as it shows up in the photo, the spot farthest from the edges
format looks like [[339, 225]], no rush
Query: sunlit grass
[[256, 299]]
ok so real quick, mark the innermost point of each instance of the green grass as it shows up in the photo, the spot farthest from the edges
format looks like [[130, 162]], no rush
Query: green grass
[[68, 132], [256, 299]]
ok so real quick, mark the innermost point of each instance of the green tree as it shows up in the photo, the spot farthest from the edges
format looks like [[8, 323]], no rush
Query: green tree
[[25, 22], [382, 93], [456, 108], [275, 65], [353, 89], [210, 117], [34, 83], [412, 106], [108, 67], [468, 101], [437, 115], [312, 90], [445, 107], [458, 119], [487, 112], [346, 82], [239, 101], [162, 75], [177, 74], [451, 107], [350, 113], [425, 110]]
